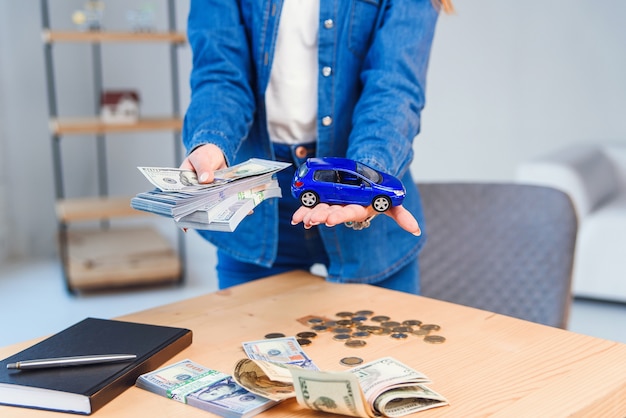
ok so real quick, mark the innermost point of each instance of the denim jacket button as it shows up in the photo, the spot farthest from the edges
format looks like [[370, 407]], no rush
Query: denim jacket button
[[329, 23], [326, 71], [327, 120]]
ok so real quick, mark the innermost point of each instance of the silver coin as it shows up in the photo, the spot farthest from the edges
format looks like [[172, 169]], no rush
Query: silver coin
[[364, 312], [399, 335], [355, 343], [342, 330], [344, 314], [306, 334], [360, 334], [351, 361], [319, 328], [315, 321], [380, 318], [435, 339], [390, 324], [430, 327], [402, 328], [412, 322], [341, 337]]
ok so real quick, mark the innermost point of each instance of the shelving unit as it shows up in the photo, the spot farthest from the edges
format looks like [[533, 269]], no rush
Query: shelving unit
[[107, 257]]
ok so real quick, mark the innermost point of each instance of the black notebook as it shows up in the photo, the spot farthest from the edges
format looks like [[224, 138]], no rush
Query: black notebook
[[84, 389]]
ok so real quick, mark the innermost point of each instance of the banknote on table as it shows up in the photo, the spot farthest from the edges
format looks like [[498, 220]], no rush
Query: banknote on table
[[385, 387], [220, 205], [204, 388]]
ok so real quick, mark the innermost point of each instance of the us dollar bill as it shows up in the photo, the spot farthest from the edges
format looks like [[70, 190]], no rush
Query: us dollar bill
[[178, 180], [384, 387]]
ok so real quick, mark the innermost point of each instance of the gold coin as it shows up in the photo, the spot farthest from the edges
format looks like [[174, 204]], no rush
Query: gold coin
[[430, 327], [360, 334], [398, 335], [376, 330], [402, 328], [412, 322], [390, 324], [319, 328], [421, 332], [364, 312], [351, 361], [385, 331], [434, 339], [355, 343], [306, 334], [304, 341], [344, 314], [341, 337], [274, 335], [380, 318]]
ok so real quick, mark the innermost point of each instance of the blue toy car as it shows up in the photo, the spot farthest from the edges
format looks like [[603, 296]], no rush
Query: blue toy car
[[343, 181]]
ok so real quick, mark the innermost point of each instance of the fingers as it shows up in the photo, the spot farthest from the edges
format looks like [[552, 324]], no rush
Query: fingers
[[331, 215], [404, 219], [204, 160]]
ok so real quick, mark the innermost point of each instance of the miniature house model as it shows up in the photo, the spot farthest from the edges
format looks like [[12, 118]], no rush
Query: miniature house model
[[119, 106]]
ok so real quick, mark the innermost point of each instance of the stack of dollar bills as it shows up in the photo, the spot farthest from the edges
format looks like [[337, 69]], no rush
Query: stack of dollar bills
[[218, 206], [193, 384], [279, 369]]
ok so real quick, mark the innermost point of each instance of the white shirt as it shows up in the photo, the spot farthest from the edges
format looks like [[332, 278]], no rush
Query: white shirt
[[291, 96]]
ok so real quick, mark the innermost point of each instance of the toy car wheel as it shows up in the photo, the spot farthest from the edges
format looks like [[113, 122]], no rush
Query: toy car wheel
[[381, 203], [309, 198]]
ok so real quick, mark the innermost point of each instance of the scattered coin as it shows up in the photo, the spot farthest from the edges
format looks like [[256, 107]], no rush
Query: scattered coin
[[421, 332], [306, 334], [342, 330], [341, 337], [319, 328], [345, 323], [389, 324], [380, 318], [402, 328], [330, 323], [399, 335], [304, 341], [344, 314], [365, 312], [434, 339], [351, 361], [412, 322], [315, 321], [274, 335], [359, 319], [376, 330], [361, 334], [355, 343], [430, 327], [385, 331]]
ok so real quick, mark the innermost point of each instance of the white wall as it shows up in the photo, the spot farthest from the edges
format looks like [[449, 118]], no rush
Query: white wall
[[508, 80]]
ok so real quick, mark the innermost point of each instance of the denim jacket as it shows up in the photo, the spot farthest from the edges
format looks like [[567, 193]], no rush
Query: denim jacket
[[373, 56]]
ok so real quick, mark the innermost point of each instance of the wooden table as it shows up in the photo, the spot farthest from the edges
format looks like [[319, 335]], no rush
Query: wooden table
[[490, 365]]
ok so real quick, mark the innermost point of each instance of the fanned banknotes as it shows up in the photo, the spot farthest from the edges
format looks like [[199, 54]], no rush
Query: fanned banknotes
[[279, 369], [218, 206], [204, 388]]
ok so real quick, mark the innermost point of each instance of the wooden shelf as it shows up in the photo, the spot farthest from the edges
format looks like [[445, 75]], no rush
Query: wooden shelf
[[99, 259], [95, 208], [93, 125], [50, 36]]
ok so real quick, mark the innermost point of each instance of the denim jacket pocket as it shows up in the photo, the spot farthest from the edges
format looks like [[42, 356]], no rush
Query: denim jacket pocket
[[363, 17]]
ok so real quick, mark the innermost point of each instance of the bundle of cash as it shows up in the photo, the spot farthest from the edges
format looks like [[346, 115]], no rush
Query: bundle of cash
[[385, 387], [220, 205], [204, 388]]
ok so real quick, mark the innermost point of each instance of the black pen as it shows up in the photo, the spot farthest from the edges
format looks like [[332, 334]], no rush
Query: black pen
[[70, 361]]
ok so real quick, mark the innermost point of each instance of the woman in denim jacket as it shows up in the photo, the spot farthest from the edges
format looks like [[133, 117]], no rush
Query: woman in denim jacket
[[291, 79]]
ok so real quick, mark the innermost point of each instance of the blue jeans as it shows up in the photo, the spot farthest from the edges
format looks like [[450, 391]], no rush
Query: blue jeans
[[298, 248]]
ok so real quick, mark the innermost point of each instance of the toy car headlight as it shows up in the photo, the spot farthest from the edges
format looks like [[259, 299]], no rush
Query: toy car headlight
[[399, 192]]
